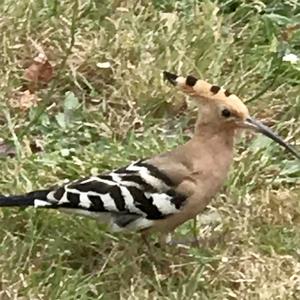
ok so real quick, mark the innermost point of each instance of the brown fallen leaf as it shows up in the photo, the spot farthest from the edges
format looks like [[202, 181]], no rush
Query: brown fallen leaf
[[24, 100], [39, 72]]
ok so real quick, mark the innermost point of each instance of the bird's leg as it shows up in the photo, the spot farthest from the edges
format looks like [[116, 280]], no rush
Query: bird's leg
[[194, 242], [153, 257], [165, 239]]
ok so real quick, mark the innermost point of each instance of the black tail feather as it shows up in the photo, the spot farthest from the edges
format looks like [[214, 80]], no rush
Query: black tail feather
[[23, 200]]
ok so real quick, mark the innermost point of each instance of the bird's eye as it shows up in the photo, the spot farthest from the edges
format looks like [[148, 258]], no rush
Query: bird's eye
[[226, 113]]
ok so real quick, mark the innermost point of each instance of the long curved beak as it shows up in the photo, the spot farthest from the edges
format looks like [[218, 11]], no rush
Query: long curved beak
[[258, 126]]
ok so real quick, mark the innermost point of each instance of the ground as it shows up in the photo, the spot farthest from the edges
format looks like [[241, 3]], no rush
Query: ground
[[107, 104]]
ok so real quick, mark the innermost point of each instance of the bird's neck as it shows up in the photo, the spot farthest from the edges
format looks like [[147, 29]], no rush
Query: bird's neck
[[211, 142], [208, 157], [207, 153], [221, 134]]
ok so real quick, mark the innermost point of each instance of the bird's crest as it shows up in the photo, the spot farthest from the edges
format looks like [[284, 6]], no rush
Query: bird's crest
[[206, 92]]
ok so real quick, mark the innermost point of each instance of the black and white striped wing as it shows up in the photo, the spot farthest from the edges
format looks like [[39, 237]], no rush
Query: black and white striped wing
[[128, 198]]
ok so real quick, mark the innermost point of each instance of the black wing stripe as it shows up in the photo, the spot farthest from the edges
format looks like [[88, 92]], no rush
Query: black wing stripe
[[73, 198], [138, 180], [94, 186], [58, 194], [145, 204], [117, 197], [97, 203], [140, 189], [155, 172], [72, 201], [177, 199], [124, 170], [106, 177]]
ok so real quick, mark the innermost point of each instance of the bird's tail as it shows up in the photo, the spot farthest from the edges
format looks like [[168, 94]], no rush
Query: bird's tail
[[36, 198]]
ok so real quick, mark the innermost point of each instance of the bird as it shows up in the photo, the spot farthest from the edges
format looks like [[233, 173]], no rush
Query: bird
[[160, 193]]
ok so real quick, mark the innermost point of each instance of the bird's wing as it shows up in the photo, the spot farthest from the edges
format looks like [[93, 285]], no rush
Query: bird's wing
[[130, 198]]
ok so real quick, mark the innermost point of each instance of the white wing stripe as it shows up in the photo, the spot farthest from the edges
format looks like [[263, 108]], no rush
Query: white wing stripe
[[163, 203], [64, 199], [41, 203], [108, 202], [129, 201], [147, 177], [98, 179], [85, 201], [153, 181], [131, 183]]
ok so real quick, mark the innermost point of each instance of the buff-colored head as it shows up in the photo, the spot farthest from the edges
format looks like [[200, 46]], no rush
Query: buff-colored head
[[221, 109], [217, 104]]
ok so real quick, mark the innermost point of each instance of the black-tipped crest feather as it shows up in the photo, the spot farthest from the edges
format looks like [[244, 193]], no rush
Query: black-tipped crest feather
[[170, 77]]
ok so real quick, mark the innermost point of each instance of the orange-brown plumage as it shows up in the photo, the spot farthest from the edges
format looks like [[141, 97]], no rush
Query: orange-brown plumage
[[162, 192], [201, 165]]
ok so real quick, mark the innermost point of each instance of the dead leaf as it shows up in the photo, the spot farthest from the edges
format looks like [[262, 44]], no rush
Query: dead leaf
[[6, 149], [39, 72], [24, 100], [288, 31]]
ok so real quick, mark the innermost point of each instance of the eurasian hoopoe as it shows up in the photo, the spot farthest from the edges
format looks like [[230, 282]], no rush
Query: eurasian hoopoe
[[164, 191]]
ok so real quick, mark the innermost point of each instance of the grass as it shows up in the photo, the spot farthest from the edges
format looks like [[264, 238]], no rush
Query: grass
[[126, 111]]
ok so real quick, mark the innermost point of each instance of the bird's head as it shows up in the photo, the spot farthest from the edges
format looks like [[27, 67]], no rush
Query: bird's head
[[221, 109]]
